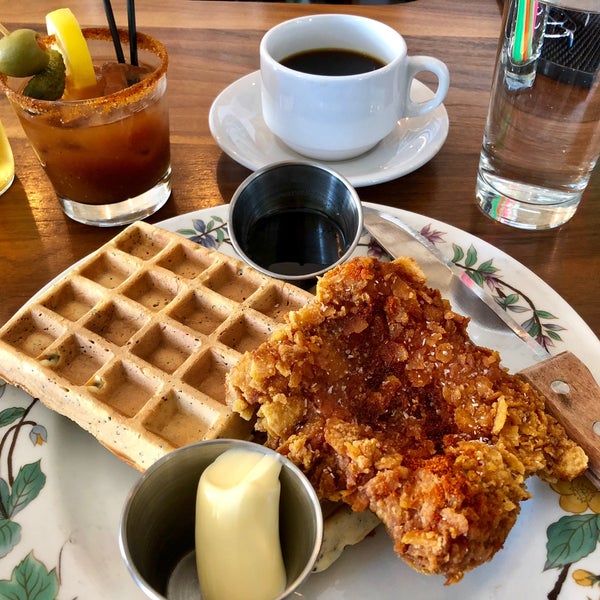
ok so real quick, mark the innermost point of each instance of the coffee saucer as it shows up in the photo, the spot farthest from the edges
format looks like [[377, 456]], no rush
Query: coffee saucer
[[236, 123]]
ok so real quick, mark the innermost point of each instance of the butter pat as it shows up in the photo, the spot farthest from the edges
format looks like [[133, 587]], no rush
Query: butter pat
[[238, 552]]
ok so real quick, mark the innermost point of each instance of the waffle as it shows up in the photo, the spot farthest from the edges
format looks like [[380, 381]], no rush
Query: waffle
[[134, 342]]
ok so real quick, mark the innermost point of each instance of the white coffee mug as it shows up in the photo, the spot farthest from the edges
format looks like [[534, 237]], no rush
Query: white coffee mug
[[336, 117]]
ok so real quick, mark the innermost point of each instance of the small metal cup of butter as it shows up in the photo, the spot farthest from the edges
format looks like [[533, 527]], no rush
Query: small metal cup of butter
[[156, 537]]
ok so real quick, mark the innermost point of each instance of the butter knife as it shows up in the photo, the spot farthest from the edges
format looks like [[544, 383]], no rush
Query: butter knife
[[572, 394]]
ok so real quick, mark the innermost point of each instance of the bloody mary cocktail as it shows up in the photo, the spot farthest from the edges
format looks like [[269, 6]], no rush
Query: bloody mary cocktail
[[107, 156]]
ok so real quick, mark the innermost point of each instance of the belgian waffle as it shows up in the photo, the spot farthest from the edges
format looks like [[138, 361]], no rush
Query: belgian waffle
[[134, 342]]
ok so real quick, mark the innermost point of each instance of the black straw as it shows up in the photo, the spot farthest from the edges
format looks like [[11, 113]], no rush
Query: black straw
[[110, 17], [132, 32]]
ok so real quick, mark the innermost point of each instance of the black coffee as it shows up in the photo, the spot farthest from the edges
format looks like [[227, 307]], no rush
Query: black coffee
[[293, 242], [332, 61]]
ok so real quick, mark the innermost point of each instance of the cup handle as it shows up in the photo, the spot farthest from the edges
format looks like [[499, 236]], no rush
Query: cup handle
[[417, 64]]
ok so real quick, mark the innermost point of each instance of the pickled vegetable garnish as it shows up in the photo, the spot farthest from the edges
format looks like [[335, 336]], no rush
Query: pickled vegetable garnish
[[61, 60], [50, 83]]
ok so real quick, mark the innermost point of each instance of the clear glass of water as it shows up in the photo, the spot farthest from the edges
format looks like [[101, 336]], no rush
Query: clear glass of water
[[542, 135]]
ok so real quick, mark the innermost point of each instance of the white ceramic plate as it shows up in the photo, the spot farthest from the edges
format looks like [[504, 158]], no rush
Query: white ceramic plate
[[70, 490], [236, 123]]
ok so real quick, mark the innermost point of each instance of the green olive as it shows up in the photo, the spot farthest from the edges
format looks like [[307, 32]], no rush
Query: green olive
[[21, 54]]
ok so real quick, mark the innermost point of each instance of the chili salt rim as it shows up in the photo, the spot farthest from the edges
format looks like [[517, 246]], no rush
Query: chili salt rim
[[123, 97]]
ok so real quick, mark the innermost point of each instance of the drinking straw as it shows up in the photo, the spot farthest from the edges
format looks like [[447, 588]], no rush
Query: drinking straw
[[531, 16], [110, 17], [132, 31], [524, 28]]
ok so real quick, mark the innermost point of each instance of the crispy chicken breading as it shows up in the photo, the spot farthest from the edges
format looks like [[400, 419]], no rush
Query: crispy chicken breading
[[377, 393]]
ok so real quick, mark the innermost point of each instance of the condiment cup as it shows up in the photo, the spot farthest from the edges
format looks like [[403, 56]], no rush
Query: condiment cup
[[158, 522], [295, 221]]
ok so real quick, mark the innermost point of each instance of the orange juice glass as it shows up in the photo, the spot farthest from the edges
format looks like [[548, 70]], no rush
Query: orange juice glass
[[7, 162], [107, 157]]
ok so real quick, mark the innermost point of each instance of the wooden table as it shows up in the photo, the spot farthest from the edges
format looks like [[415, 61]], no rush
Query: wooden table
[[211, 44]]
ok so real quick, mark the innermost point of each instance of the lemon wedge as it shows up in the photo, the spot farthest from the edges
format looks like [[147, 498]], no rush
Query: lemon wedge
[[63, 25]]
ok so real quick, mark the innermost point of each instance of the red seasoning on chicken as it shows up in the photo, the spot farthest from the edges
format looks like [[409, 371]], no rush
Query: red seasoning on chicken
[[375, 390]]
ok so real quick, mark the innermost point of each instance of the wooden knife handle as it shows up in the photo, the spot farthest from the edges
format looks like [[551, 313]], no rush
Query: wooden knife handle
[[573, 398]]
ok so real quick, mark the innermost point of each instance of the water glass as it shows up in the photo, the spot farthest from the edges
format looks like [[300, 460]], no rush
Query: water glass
[[542, 136]]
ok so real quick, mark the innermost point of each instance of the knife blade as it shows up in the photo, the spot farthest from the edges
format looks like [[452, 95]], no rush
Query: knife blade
[[571, 391]]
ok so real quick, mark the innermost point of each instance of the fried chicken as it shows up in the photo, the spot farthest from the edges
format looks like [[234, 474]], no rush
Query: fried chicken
[[375, 390]]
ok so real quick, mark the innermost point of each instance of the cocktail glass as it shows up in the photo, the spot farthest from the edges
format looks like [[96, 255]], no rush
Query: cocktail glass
[[107, 157]]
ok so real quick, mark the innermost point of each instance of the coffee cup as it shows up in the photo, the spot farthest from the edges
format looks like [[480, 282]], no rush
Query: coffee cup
[[334, 85]]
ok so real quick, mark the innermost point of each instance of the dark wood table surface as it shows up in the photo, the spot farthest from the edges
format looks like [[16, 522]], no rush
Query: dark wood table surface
[[211, 44]]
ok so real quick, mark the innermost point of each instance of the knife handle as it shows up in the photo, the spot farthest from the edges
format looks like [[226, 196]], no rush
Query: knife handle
[[573, 398]]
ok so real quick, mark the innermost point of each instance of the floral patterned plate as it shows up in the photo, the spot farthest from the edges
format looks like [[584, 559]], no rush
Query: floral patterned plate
[[61, 492]]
